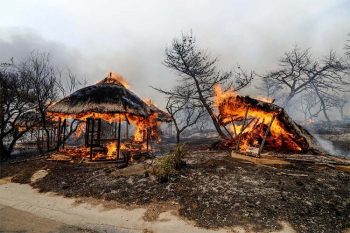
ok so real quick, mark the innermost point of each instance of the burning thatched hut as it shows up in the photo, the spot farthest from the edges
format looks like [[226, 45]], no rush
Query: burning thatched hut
[[257, 123], [109, 99]]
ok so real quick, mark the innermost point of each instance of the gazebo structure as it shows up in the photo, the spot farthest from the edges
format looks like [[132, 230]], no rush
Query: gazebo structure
[[109, 100]]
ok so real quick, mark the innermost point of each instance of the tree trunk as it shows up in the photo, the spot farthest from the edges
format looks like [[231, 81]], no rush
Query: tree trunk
[[4, 153], [178, 136], [323, 104], [209, 110], [341, 110]]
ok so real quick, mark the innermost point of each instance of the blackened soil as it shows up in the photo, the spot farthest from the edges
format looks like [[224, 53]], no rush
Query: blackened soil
[[214, 190]]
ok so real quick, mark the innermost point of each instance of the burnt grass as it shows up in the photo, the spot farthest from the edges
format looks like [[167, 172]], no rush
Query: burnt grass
[[213, 190]]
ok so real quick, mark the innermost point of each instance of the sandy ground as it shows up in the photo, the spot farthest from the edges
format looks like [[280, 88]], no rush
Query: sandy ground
[[23, 209]]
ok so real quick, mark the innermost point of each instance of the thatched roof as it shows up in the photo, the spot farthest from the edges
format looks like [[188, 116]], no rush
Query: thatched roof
[[108, 96], [161, 115]]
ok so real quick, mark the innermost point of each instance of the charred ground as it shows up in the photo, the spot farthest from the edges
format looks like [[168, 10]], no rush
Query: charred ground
[[213, 190]]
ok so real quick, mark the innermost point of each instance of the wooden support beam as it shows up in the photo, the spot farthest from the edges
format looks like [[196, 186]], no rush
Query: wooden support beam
[[240, 133], [59, 134], [98, 132], [87, 128], [147, 139], [234, 127], [127, 127], [229, 133], [92, 136], [115, 130], [265, 136], [118, 142], [64, 126]]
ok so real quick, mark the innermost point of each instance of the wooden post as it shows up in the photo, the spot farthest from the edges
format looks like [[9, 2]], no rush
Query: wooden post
[[115, 130], [229, 133], [239, 135], [234, 127], [147, 139], [265, 136], [87, 128], [99, 131], [59, 134], [118, 142], [127, 127], [92, 136], [64, 132]]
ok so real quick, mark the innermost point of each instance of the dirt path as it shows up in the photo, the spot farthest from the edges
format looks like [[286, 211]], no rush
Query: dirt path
[[14, 220], [52, 213], [23, 209]]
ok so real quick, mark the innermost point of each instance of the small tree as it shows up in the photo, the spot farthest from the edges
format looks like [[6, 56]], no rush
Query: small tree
[[198, 74], [184, 114]]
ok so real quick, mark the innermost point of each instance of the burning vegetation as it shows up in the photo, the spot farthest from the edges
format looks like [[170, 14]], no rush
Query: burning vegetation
[[255, 123]]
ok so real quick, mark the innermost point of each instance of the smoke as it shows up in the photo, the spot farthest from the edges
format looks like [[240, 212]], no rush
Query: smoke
[[329, 147], [139, 69], [129, 37]]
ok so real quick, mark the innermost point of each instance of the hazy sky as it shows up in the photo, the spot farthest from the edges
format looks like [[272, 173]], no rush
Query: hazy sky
[[129, 37]]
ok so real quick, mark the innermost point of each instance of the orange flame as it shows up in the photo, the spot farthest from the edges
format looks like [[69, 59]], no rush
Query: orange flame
[[80, 130], [111, 149], [233, 108], [116, 78]]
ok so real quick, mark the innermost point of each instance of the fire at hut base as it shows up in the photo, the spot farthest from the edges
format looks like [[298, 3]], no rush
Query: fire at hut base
[[129, 151]]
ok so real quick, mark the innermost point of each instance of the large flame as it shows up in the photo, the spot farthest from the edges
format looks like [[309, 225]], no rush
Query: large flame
[[143, 126], [250, 122]]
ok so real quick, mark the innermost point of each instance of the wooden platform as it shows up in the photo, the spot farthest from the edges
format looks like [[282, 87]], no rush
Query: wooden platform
[[342, 164]]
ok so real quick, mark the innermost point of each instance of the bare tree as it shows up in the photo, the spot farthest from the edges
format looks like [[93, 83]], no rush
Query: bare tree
[[198, 74], [17, 102], [298, 73], [27, 91], [184, 114], [49, 84]]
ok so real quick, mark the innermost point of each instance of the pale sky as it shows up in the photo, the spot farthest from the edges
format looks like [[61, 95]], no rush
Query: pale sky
[[129, 37]]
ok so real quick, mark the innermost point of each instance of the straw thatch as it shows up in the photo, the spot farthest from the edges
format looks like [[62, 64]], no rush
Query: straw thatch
[[161, 115], [108, 96]]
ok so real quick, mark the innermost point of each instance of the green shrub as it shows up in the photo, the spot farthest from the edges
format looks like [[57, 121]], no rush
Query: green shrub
[[167, 165], [165, 168], [178, 156]]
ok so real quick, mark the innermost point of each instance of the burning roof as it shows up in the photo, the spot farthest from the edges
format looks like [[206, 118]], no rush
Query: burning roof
[[161, 115], [109, 96], [260, 117]]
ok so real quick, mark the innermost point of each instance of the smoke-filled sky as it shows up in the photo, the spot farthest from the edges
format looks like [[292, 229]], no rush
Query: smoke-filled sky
[[129, 37]]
